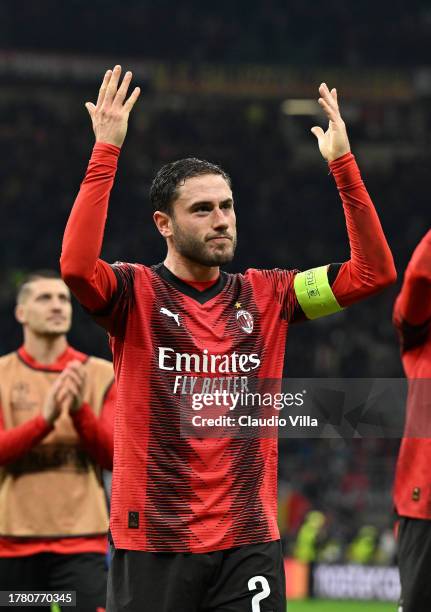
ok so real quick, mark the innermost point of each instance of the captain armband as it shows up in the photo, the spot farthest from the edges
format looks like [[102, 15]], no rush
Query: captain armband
[[314, 293]]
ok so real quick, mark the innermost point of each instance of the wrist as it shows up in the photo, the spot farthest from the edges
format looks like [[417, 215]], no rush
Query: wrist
[[80, 410], [106, 147], [76, 407], [341, 157], [345, 171], [49, 419]]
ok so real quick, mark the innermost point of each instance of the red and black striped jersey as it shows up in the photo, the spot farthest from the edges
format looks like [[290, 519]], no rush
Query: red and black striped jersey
[[172, 493], [169, 492], [412, 489]]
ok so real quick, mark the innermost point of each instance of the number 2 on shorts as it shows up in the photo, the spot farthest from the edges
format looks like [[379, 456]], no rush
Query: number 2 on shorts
[[266, 591]]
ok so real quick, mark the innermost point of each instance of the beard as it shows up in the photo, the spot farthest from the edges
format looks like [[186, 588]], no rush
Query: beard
[[200, 251]]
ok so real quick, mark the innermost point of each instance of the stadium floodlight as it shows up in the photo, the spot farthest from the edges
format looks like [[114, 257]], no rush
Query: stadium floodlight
[[300, 107]]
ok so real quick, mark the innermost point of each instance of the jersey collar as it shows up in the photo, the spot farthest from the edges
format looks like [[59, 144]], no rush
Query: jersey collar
[[189, 290], [58, 366]]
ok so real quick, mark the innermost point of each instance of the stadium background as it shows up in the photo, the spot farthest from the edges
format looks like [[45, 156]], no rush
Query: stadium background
[[234, 82]]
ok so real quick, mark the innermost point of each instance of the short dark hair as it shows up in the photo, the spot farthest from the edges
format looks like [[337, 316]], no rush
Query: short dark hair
[[164, 188], [23, 285]]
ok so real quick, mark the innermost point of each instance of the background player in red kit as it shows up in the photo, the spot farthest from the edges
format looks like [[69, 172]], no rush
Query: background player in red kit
[[211, 504], [412, 491]]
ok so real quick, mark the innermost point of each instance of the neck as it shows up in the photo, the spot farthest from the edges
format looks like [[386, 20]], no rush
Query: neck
[[189, 270], [44, 349]]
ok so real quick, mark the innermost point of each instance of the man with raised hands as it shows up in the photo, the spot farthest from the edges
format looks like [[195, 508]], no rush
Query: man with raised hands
[[193, 521]]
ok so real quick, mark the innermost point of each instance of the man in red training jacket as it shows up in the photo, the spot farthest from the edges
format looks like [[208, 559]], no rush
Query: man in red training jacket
[[56, 433]]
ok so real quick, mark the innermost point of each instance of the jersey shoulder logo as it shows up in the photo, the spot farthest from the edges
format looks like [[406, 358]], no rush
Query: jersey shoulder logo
[[168, 313]]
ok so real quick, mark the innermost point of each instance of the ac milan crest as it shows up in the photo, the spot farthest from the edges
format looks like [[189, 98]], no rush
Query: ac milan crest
[[245, 321]]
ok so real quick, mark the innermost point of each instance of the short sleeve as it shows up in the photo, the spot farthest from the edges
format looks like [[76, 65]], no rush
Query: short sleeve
[[114, 317]]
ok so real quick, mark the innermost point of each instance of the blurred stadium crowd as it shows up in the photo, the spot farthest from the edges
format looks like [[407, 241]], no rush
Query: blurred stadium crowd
[[271, 31], [289, 213]]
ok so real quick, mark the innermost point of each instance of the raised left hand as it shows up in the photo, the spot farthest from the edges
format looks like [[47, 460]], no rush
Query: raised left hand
[[334, 142]]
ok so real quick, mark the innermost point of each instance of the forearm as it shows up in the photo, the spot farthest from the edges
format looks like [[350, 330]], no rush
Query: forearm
[[96, 435], [371, 266], [90, 278], [16, 442], [414, 302]]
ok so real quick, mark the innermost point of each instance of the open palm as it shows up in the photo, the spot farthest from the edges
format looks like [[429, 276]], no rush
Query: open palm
[[334, 142]]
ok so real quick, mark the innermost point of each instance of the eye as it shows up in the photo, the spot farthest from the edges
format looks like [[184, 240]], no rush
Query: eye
[[203, 208]]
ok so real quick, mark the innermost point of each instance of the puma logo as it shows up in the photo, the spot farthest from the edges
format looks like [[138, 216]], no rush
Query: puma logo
[[168, 313]]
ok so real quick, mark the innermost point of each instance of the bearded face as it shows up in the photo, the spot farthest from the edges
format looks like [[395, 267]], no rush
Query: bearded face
[[215, 248], [202, 226]]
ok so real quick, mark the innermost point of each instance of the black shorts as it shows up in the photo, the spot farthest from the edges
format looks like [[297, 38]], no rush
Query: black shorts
[[414, 562], [84, 573], [243, 579]]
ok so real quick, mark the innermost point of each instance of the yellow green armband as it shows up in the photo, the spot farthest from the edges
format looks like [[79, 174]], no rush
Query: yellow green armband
[[314, 293]]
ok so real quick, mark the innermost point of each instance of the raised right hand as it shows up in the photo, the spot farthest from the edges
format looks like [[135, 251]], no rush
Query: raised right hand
[[333, 143], [111, 112]]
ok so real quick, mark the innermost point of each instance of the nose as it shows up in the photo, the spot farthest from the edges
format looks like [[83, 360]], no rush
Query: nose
[[219, 221], [56, 305]]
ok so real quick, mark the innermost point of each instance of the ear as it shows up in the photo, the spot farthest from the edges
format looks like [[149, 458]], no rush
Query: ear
[[163, 223], [20, 313]]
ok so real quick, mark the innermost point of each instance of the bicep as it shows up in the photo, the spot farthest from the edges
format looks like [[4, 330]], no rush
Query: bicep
[[113, 314], [94, 293]]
